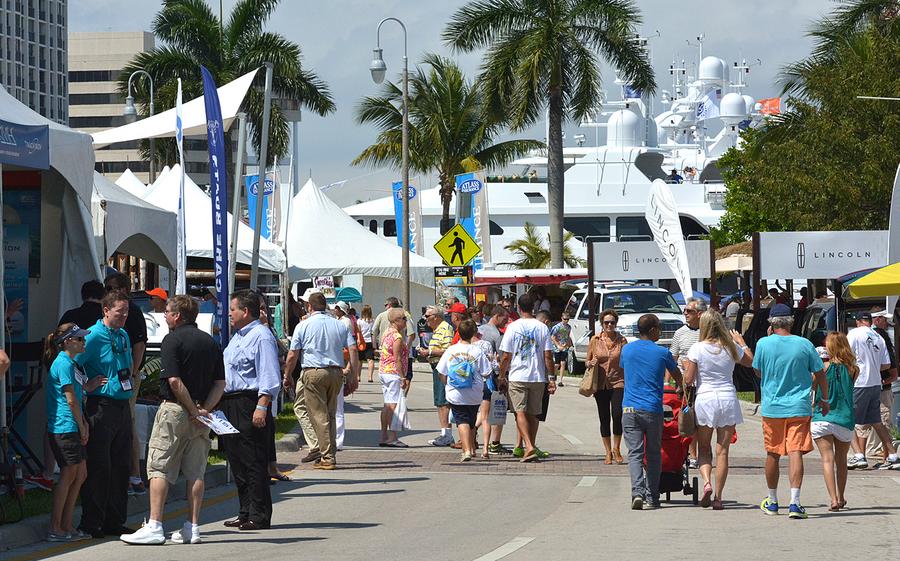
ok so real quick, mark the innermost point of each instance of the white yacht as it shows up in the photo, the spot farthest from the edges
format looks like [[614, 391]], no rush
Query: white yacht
[[606, 186]]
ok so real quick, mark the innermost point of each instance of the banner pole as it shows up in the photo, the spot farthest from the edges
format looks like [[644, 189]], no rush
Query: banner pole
[[236, 196], [590, 295], [263, 156], [3, 429]]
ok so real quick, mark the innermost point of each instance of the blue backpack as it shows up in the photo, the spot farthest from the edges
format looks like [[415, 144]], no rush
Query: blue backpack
[[461, 371]]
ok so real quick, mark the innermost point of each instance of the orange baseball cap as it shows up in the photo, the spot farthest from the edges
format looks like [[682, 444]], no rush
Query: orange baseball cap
[[159, 293]]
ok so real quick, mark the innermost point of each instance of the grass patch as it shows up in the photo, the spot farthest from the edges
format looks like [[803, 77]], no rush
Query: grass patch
[[37, 501], [746, 396], [285, 421]]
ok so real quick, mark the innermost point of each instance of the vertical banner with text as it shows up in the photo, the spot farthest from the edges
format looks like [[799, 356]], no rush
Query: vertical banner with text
[[269, 226], [218, 191], [415, 216], [473, 215]]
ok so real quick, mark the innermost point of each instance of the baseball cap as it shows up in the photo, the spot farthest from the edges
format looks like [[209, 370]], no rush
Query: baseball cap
[[883, 314], [73, 331], [823, 353], [345, 307], [458, 308], [309, 292], [159, 293], [780, 311], [864, 316]]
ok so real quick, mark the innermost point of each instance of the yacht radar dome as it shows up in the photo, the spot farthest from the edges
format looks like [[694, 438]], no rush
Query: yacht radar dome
[[733, 109], [750, 102], [712, 69], [623, 129]]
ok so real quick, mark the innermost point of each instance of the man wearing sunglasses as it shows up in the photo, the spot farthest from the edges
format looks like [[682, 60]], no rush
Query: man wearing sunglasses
[[441, 337], [682, 340]]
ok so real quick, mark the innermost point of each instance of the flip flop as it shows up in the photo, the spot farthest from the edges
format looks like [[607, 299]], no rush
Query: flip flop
[[396, 444], [707, 496], [280, 477], [530, 458]]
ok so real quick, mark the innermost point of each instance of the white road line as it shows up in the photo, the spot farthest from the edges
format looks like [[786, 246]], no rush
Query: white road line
[[896, 480], [509, 547], [587, 481], [573, 440]]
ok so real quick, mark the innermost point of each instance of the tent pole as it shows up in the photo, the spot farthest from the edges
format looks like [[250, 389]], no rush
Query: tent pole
[[236, 196], [261, 186], [4, 431]]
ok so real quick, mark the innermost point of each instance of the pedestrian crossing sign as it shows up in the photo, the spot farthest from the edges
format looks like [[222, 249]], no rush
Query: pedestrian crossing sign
[[457, 247]]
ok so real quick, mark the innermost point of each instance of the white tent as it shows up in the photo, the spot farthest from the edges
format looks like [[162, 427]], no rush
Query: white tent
[[126, 223], [324, 240], [231, 95], [198, 223], [68, 242], [129, 181]]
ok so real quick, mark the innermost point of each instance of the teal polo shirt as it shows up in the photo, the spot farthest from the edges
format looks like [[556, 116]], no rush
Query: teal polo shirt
[[106, 352]]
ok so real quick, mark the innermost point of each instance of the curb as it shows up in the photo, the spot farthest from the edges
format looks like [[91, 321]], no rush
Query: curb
[[34, 529], [290, 442]]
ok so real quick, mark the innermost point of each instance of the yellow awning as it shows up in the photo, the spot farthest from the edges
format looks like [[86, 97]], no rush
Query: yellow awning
[[883, 282]]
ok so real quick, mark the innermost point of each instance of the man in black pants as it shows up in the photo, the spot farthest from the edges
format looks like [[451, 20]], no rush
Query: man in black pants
[[252, 383], [107, 354]]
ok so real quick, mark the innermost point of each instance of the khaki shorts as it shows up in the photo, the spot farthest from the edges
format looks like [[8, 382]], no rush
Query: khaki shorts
[[783, 436], [527, 397], [177, 445]]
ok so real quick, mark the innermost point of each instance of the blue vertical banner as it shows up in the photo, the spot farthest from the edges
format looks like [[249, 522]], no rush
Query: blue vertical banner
[[218, 190], [415, 216], [252, 185], [472, 213]]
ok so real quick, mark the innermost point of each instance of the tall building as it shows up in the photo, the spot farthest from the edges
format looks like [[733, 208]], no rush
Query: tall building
[[95, 61], [33, 54]]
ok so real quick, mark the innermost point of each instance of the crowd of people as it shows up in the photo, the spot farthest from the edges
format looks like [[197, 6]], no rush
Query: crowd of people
[[509, 355]]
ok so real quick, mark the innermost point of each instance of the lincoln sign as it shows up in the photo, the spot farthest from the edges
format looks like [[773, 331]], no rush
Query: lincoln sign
[[820, 255], [643, 260]]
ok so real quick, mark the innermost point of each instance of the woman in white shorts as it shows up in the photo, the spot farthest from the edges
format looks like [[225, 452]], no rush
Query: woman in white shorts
[[709, 367], [392, 371], [833, 432]]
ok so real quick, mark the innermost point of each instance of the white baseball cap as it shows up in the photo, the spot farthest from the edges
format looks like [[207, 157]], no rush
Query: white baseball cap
[[884, 314], [309, 292], [345, 307]]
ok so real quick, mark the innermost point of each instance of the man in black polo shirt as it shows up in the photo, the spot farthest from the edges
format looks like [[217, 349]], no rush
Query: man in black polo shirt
[[136, 328], [192, 379], [90, 310]]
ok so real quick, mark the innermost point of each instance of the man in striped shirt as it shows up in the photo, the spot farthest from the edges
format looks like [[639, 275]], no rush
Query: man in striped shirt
[[442, 335]]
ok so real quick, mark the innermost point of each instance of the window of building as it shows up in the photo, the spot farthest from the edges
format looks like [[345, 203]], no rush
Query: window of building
[[92, 75], [96, 99]]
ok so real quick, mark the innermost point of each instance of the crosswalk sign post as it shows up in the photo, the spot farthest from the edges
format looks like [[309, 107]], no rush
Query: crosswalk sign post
[[457, 247]]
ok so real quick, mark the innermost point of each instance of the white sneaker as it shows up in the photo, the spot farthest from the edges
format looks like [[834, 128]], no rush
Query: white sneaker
[[145, 536], [855, 462], [186, 535], [443, 440]]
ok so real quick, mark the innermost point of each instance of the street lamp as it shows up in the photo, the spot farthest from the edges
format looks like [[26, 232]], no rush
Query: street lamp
[[130, 114], [378, 69]]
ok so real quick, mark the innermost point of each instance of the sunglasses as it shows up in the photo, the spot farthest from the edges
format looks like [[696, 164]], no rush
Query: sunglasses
[[610, 322]]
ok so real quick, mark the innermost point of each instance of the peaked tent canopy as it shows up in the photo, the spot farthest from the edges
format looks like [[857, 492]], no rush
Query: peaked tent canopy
[[129, 181], [198, 223], [231, 95], [322, 240], [126, 223]]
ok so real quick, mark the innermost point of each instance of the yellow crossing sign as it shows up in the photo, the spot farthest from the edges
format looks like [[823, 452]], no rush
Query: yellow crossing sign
[[457, 247]]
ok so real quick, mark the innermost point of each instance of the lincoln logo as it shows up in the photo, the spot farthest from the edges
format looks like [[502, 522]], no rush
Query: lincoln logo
[[801, 255], [625, 260]]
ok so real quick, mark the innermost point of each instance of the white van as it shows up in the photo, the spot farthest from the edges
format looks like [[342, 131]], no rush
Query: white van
[[630, 301]]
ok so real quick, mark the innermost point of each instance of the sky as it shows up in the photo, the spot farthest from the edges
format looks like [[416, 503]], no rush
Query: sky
[[337, 38]]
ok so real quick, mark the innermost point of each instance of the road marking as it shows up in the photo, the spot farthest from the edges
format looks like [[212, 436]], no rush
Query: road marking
[[508, 548], [896, 480], [573, 440], [43, 553], [587, 481]]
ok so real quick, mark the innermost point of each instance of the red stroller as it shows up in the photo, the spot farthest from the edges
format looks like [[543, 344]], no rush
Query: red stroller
[[675, 474]]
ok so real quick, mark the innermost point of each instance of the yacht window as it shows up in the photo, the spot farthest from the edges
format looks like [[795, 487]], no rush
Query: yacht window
[[535, 198], [361, 221], [496, 230], [691, 229], [632, 228], [390, 228], [373, 226], [594, 227]]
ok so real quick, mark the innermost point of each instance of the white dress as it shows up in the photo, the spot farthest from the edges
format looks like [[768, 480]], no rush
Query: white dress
[[717, 403]]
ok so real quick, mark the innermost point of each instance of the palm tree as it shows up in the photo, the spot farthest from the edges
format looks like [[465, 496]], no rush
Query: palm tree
[[546, 54], [192, 35], [448, 131], [532, 253]]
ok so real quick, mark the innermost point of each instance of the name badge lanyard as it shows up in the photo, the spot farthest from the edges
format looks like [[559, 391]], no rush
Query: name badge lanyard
[[118, 348]]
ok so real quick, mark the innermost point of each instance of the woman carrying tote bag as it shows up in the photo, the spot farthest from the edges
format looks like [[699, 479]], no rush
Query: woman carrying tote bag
[[603, 354]]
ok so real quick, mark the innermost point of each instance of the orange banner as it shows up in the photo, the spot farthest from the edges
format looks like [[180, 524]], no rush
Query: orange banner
[[770, 106]]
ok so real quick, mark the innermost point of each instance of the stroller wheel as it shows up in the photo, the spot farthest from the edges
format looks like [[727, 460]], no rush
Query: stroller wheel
[[695, 496]]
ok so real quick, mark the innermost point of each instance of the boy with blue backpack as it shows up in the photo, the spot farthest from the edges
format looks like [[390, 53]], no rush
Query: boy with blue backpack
[[463, 368]]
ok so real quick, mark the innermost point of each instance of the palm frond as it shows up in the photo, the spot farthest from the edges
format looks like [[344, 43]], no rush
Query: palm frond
[[190, 26], [481, 23], [247, 18]]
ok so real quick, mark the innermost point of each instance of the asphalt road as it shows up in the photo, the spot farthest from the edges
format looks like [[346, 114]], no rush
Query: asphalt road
[[421, 503]]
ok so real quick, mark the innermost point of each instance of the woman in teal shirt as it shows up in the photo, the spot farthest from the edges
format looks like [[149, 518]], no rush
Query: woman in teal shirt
[[834, 431], [68, 431]]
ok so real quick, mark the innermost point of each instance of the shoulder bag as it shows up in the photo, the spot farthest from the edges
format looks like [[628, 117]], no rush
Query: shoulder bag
[[687, 417]]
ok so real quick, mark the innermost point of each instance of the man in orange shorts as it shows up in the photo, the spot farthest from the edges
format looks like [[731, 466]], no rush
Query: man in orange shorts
[[784, 362]]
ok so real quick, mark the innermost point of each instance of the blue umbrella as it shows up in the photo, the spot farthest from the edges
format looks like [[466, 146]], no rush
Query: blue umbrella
[[347, 294], [679, 297]]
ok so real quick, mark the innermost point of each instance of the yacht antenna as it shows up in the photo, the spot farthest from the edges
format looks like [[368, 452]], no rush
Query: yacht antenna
[[742, 70], [698, 44], [677, 72]]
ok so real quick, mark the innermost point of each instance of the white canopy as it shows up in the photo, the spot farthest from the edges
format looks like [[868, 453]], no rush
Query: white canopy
[[126, 223], [198, 223], [231, 95], [322, 240], [129, 181]]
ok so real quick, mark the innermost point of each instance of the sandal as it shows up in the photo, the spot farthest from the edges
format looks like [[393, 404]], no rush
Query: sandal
[[617, 457], [533, 457], [717, 504], [609, 458], [707, 496], [280, 477], [486, 455], [395, 444]]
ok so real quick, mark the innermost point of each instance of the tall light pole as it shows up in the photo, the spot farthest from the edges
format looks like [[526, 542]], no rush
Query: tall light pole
[[378, 69], [131, 112]]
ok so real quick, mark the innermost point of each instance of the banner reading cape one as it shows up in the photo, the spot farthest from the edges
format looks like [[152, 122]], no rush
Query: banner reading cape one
[[218, 190]]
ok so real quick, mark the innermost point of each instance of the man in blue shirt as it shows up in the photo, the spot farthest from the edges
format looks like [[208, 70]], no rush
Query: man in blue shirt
[[107, 353], [251, 386], [645, 364], [785, 363], [320, 341]]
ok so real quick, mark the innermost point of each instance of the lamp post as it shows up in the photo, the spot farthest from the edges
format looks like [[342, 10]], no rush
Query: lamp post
[[131, 112], [378, 69]]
